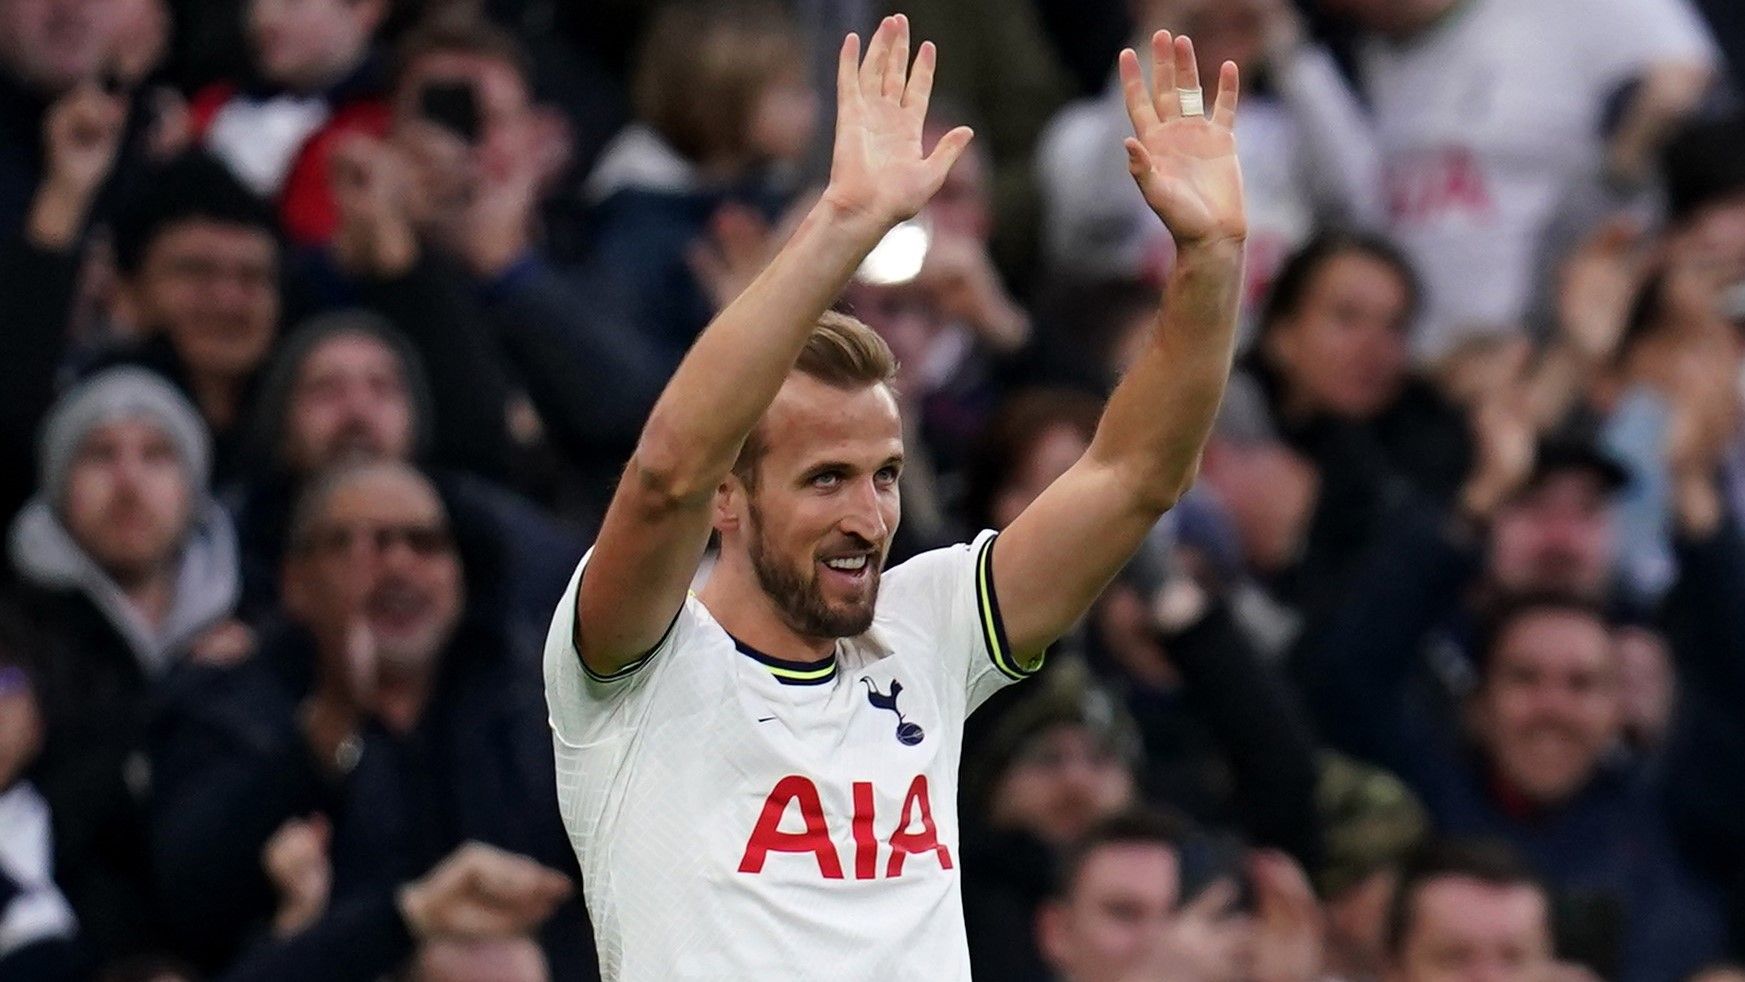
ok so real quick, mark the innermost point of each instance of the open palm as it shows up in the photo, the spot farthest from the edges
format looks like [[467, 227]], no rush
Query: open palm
[[877, 168], [1184, 164]]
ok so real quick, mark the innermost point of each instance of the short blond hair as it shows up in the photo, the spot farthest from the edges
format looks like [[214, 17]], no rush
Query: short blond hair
[[843, 353]]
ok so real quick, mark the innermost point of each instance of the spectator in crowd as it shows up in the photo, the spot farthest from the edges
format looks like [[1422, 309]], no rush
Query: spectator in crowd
[[1475, 165], [444, 238], [127, 567], [1119, 915], [1332, 359], [1117, 892], [37, 926], [1307, 160], [39, 263], [1372, 824], [1469, 911], [1538, 769], [661, 179], [347, 387], [198, 259], [51, 54], [317, 80], [1056, 764], [390, 704]]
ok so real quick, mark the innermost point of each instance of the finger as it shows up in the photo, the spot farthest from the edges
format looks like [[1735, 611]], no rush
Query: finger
[[1229, 91], [1167, 105], [1141, 110], [1140, 166], [848, 74], [920, 88], [1215, 902], [1187, 68], [945, 153], [872, 67], [897, 65]]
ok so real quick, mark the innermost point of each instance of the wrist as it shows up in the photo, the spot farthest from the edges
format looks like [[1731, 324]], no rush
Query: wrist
[[57, 214], [859, 224]]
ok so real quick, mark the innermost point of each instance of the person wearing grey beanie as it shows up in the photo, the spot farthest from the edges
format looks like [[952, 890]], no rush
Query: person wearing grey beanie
[[125, 570], [154, 553]]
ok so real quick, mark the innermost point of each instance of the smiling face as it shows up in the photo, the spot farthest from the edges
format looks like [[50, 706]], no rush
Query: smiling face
[[380, 548], [814, 512], [1550, 706]]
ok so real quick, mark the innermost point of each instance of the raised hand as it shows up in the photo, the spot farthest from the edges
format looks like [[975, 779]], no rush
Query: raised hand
[[81, 138], [877, 170], [1184, 164]]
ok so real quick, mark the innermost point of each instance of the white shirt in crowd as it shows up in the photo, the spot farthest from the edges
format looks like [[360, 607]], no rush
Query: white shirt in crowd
[[1485, 121], [1307, 159], [741, 817]]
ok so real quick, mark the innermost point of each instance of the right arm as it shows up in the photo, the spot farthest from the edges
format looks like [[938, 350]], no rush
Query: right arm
[[658, 523]]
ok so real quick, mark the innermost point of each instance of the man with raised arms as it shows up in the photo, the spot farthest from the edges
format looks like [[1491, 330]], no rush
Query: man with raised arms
[[760, 778]]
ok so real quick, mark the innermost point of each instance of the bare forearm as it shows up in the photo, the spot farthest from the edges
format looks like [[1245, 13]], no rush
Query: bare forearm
[[736, 366], [1158, 417]]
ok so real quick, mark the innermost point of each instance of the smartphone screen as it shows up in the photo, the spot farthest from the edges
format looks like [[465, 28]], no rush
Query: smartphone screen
[[452, 106]]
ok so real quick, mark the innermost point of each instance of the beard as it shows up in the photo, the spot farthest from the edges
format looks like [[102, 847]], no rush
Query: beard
[[797, 597]]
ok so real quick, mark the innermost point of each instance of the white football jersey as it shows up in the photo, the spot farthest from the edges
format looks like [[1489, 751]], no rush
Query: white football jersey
[[737, 816]]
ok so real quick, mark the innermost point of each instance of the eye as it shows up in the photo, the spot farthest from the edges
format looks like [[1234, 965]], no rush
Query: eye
[[888, 474], [826, 480]]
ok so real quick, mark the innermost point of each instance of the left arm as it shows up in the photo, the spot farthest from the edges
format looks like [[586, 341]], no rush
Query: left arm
[[1062, 551]]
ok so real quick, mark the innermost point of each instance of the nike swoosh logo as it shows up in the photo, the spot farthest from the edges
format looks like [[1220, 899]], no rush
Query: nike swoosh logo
[[766, 719]]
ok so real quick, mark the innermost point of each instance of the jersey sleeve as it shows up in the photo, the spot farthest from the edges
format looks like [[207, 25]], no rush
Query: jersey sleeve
[[1659, 31], [585, 707], [951, 593]]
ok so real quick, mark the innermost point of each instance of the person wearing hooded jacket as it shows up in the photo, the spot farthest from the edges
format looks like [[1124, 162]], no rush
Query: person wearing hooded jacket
[[125, 565]]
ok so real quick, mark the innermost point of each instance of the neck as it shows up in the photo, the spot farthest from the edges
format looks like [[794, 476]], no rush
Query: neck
[[744, 610], [150, 594], [219, 397], [1421, 17]]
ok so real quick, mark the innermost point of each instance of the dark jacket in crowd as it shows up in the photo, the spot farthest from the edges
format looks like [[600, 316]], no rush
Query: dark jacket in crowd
[[233, 764], [1612, 850]]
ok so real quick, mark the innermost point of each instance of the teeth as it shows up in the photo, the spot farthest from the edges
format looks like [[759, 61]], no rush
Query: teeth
[[849, 564]]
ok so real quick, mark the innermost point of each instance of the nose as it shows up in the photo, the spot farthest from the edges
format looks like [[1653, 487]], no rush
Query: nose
[[863, 516]]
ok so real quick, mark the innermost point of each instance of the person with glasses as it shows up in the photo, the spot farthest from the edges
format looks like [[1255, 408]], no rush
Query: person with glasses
[[388, 704]]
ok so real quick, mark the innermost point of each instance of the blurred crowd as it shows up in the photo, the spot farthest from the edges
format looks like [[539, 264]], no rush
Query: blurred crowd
[[325, 326]]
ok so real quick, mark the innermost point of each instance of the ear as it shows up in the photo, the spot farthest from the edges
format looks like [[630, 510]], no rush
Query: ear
[[729, 506]]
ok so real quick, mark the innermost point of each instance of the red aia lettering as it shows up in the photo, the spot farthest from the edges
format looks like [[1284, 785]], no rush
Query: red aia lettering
[[768, 837], [904, 842], [866, 848]]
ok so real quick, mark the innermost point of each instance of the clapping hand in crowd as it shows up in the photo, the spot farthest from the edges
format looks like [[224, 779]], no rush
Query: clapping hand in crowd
[[480, 891], [374, 195], [297, 862]]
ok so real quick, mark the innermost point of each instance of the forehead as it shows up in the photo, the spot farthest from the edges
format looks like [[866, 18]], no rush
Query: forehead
[[382, 496], [1564, 636], [810, 421], [348, 351], [205, 236], [128, 429], [1573, 488], [1140, 870], [1472, 908]]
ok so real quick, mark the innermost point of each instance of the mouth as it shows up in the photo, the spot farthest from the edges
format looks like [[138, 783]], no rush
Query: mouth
[[396, 608], [850, 571]]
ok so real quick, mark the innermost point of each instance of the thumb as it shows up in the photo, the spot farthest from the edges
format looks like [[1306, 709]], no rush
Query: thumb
[[946, 152], [1139, 164]]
